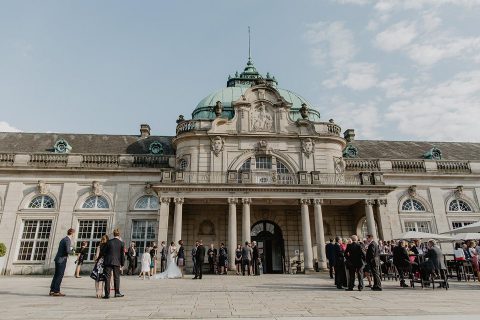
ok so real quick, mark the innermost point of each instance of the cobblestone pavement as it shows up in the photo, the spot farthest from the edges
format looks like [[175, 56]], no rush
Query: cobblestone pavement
[[267, 296]]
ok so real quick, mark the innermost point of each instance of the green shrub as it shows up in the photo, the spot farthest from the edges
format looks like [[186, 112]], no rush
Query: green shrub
[[3, 250]]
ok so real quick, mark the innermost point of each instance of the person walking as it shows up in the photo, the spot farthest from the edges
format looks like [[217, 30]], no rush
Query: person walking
[[64, 249], [330, 253], [132, 259], [81, 256], [355, 260], [247, 253], [199, 259], [97, 272], [114, 259], [373, 261]]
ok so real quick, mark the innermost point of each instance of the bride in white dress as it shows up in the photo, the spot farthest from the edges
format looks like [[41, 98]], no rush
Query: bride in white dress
[[172, 271]]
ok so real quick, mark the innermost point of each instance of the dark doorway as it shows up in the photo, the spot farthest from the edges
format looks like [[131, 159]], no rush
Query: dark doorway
[[269, 238]]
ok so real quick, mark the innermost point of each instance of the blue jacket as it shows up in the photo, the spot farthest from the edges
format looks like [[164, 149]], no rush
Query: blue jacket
[[64, 249]]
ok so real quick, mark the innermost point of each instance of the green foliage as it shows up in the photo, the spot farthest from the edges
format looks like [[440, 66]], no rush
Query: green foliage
[[3, 250]]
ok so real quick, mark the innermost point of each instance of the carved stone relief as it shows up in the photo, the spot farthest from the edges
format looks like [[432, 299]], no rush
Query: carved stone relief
[[261, 119], [217, 145], [308, 147]]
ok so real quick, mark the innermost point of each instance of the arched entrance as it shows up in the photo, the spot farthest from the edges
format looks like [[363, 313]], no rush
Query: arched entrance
[[269, 238]]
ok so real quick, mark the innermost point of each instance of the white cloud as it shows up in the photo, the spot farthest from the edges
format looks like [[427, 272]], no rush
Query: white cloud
[[360, 76], [393, 86], [396, 36], [5, 127], [447, 111]]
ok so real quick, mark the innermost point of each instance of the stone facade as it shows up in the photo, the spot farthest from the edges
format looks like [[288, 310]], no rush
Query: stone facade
[[258, 167]]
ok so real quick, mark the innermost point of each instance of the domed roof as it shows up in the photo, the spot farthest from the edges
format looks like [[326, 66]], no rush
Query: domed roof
[[236, 87]]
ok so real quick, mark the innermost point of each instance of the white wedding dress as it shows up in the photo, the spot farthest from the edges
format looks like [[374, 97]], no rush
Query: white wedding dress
[[172, 271]]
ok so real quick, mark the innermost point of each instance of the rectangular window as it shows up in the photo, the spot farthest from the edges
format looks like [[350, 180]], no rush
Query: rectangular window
[[91, 231], [143, 233], [419, 226], [460, 224], [34, 240], [263, 162]]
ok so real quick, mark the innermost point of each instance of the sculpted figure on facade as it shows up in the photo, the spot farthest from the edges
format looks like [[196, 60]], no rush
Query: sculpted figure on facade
[[308, 146], [218, 109], [217, 145], [261, 119], [96, 188], [42, 187]]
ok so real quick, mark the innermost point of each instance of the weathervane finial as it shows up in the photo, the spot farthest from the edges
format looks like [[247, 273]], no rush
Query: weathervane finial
[[249, 55]]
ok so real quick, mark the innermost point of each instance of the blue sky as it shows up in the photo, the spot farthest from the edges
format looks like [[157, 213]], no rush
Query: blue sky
[[396, 69]]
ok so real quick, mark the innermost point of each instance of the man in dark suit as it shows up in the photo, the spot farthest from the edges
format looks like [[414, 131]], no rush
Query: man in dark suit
[[64, 249], [199, 259], [340, 274], [373, 261], [330, 253], [132, 258], [355, 260], [434, 261], [401, 261], [255, 259], [114, 258]]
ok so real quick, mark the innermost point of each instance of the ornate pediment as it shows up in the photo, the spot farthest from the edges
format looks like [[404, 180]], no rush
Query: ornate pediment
[[261, 118]]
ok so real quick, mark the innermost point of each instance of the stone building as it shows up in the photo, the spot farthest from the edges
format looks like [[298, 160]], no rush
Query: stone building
[[255, 162]]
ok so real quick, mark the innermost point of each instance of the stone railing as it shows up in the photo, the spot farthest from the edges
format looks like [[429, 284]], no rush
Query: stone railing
[[408, 166], [48, 160], [7, 159], [186, 126], [447, 166], [100, 160], [150, 161], [327, 128], [362, 165], [267, 178]]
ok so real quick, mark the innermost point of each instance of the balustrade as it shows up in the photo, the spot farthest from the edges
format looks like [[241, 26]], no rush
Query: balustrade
[[447, 166], [408, 166], [362, 165]]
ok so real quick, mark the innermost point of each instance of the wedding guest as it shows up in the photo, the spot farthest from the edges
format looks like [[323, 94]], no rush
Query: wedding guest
[[181, 256], [163, 256], [81, 256], [238, 258], [212, 258], [330, 253], [474, 255], [222, 258], [146, 264], [194, 253], [97, 272], [373, 261], [255, 259], [355, 261], [246, 258], [114, 259], [153, 258], [64, 249], [340, 272], [199, 258], [132, 259]]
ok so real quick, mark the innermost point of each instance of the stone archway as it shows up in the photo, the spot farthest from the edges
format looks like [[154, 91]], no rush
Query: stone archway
[[269, 238]]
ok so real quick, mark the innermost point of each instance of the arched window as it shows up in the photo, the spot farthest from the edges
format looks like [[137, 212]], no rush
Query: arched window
[[245, 166], [41, 202], [281, 168], [147, 203], [459, 206], [413, 205], [95, 202]]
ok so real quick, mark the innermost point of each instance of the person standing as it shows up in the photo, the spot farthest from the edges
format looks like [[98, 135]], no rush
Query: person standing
[[212, 258], [153, 259], [330, 253], [194, 253], [401, 261], [132, 258], [340, 274], [238, 258], [246, 258], [222, 259], [145, 263], [97, 272], [181, 256], [163, 256], [114, 259], [64, 249], [373, 261], [199, 259], [255, 259], [81, 256], [355, 260]]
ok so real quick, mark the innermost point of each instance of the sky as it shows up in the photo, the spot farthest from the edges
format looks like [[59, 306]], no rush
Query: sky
[[390, 69]]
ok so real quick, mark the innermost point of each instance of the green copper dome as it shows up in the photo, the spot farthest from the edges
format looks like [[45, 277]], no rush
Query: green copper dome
[[237, 85]]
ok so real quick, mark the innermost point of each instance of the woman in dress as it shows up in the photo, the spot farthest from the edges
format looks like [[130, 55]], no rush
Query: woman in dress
[[97, 273], [172, 271], [238, 259], [153, 256], [222, 258], [81, 256], [146, 262]]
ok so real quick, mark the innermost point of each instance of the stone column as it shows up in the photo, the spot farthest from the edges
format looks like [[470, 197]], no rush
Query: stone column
[[232, 231], [322, 257], [177, 220], [370, 218], [307, 237], [246, 219], [163, 214]]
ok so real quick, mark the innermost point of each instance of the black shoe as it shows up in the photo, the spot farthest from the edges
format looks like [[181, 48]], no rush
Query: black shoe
[[106, 297], [340, 288], [376, 289], [195, 278], [403, 285], [360, 288], [349, 289], [200, 278], [119, 295]]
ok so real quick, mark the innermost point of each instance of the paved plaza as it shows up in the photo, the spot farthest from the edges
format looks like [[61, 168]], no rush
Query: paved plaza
[[268, 296]]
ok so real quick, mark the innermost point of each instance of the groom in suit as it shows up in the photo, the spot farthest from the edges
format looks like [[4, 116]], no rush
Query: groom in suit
[[114, 258], [199, 258], [64, 249]]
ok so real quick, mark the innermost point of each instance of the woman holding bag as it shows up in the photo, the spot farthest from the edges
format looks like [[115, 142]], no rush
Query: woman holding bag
[[97, 272]]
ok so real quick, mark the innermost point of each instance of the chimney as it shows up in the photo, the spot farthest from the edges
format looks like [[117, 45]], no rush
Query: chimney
[[144, 131], [349, 135]]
